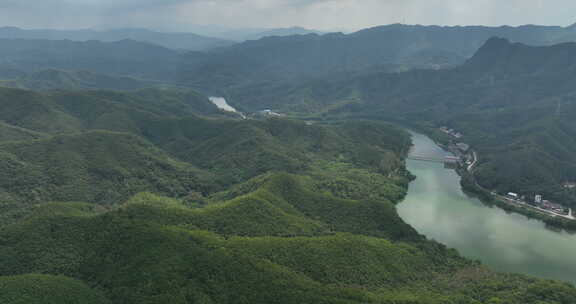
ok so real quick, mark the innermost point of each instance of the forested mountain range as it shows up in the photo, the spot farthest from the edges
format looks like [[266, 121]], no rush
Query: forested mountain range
[[289, 31], [308, 74], [240, 34], [50, 79], [156, 196], [390, 48], [514, 103], [126, 57], [177, 41]]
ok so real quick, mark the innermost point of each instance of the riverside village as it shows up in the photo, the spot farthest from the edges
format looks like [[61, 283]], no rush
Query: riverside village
[[466, 158]]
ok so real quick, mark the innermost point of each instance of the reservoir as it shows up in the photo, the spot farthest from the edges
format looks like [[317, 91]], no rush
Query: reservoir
[[507, 242], [222, 104]]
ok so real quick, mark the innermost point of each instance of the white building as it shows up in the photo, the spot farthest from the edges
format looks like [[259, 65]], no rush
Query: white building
[[538, 198], [512, 195]]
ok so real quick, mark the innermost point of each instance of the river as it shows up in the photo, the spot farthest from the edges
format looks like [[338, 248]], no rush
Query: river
[[509, 242]]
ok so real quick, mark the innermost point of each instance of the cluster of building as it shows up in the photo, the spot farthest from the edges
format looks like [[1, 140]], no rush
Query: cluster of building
[[539, 202], [451, 132], [267, 114], [464, 155]]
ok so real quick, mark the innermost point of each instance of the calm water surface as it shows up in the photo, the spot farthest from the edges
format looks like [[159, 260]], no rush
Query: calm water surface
[[437, 208]]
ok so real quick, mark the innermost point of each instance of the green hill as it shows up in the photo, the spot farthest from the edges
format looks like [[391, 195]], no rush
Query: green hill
[[124, 57], [186, 205], [12, 133], [239, 150], [514, 104], [276, 61], [98, 166], [51, 79], [73, 111], [156, 250], [177, 41], [281, 205], [46, 289]]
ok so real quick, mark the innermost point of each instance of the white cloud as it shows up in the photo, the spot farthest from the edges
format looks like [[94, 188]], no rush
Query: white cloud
[[323, 14]]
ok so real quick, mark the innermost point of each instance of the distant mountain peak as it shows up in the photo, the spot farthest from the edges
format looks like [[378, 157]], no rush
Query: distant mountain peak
[[499, 55], [177, 41], [496, 42]]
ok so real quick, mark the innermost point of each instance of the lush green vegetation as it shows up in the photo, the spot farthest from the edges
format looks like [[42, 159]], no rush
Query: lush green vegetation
[[514, 104], [46, 289], [51, 79], [123, 57], [156, 249], [56, 147], [556, 223], [156, 197], [97, 166], [266, 65]]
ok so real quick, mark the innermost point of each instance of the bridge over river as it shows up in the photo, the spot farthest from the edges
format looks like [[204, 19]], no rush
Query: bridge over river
[[443, 160]]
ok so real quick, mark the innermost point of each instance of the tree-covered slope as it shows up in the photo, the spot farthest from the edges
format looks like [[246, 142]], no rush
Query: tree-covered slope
[[46, 289], [12, 133], [514, 104], [125, 57], [155, 250], [51, 79], [72, 111], [239, 150], [391, 48], [179, 208], [102, 146], [101, 167], [183, 41]]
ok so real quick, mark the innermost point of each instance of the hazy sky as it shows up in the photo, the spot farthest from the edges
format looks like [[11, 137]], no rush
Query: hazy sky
[[319, 14]]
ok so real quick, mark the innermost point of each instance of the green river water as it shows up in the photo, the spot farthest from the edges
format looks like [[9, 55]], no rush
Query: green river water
[[508, 242]]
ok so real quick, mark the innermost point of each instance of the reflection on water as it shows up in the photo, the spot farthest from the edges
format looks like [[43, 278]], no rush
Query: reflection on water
[[437, 208]]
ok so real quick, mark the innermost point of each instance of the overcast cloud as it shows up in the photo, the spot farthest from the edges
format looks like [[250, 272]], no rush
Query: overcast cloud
[[318, 14]]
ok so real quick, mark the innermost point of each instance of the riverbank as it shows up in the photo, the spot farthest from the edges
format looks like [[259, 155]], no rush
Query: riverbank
[[438, 207], [470, 186]]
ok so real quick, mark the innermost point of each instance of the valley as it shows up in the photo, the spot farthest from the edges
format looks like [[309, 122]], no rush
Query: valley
[[177, 168]]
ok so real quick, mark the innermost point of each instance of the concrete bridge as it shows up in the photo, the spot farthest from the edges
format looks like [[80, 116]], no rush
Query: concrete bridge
[[442, 160]]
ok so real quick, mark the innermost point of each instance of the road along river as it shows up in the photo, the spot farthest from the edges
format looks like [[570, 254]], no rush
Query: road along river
[[509, 242]]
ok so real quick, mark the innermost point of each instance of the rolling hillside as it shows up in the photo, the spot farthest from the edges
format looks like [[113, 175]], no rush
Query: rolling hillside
[[155, 197], [389, 48], [98, 166], [52, 79], [125, 57], [177, 41], [513, 103], [156, 250]]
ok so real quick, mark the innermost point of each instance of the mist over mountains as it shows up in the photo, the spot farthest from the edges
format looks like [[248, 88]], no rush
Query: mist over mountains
[[186, 41], [513, 102], [121, 182], [177, 41], [154, 55], [391, 48]]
